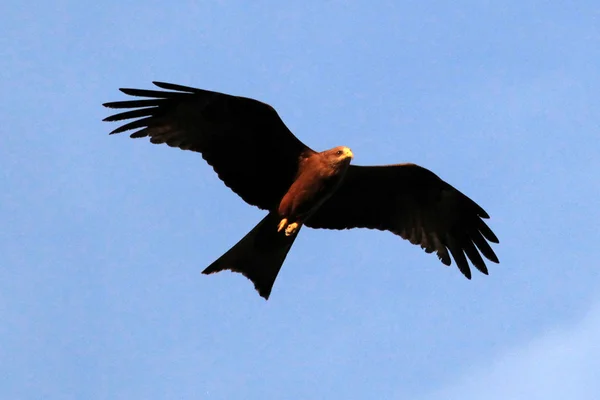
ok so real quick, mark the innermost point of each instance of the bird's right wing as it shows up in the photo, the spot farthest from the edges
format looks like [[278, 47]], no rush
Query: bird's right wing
[[244, 140]]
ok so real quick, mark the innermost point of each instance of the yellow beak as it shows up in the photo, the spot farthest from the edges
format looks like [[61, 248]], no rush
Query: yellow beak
[[348, 153]]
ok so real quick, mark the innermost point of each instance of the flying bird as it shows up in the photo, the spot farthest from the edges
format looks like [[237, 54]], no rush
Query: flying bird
[[260, 159]]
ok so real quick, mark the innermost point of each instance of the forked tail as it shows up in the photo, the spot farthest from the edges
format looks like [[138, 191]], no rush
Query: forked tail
[[259, 255]]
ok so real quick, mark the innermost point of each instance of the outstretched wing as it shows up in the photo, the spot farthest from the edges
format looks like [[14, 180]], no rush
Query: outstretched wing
[[417, 205], [244, 140]]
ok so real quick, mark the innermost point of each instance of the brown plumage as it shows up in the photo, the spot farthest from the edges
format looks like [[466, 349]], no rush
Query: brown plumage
[[255, 155]]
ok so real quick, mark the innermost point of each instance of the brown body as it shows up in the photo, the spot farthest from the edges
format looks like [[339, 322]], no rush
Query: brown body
[[254, 153], [318, 177]]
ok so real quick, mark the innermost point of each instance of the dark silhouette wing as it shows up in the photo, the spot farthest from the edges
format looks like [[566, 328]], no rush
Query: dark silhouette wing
[[244, 140], [417, 205]]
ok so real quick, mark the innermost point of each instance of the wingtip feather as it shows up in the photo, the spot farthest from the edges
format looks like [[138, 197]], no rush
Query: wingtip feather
[[175, 87]]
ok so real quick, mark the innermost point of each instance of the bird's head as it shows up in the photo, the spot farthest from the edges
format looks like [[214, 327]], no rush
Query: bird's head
[[338, 158], [340, 155]]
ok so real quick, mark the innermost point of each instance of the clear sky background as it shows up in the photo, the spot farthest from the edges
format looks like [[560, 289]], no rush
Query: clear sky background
[[103, 238]]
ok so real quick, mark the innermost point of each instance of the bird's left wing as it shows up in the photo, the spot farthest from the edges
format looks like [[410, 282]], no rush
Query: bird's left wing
[[415, 204], [244, 140]]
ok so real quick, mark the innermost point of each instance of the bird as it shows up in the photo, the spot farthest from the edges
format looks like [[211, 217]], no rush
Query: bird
[[263, 162]]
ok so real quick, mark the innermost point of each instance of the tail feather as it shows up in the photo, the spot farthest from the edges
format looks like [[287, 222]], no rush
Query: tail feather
[[258, 255]]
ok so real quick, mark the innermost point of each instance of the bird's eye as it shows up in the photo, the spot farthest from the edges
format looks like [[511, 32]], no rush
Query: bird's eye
[[339, 152]]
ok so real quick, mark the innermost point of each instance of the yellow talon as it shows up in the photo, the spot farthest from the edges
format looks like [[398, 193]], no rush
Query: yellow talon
[[291, 229], [282, 224]]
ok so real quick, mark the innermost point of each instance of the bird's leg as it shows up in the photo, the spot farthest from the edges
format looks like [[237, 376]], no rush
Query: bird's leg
[[282, 224], [292, 228]]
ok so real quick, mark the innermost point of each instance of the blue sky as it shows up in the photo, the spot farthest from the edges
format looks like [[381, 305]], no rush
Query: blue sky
[[104, 238]]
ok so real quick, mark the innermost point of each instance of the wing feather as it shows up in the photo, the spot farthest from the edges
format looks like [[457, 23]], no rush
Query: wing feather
[[415, 204], [244, 140]]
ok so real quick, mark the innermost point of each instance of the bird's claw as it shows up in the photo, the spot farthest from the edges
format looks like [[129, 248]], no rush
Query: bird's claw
[[282, 224], [291, 229]]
